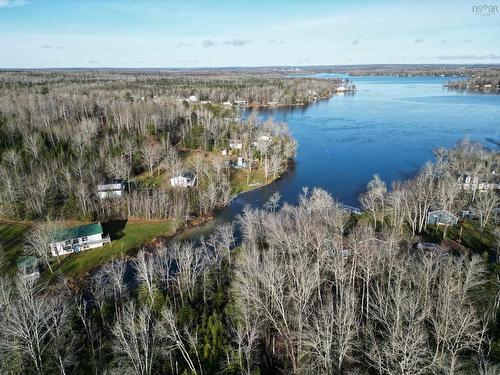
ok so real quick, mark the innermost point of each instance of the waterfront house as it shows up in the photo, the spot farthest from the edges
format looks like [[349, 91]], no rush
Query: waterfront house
[[76, 239], [185, 179], [240, 103], [115, 190], [441, 217]]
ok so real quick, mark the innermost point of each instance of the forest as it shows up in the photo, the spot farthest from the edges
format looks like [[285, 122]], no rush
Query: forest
[[63, 134]]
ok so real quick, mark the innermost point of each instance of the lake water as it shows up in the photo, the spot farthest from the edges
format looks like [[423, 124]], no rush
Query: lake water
[[389, 127]]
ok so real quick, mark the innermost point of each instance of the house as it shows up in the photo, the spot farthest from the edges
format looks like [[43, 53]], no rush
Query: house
[[224, 152], [185, 179], [227, 104], [240, 103], [469, 182], [110, 190], [192, 99], [28, 267], [76, 239], [236, 144], [441, 217]]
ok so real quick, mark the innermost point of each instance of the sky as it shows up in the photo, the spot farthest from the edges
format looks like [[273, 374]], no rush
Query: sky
[[217, 33]]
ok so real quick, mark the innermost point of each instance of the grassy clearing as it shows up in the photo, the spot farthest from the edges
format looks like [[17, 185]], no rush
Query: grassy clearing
[[472, 236], [11, 242], [238, 177], [125, 237]]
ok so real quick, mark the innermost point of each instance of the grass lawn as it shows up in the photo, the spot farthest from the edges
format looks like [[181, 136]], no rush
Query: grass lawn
[[125, 237], [11, 243], [472, 236], [239, 180]]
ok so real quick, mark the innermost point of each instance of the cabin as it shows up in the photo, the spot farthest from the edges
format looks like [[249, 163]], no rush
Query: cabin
[[441, 217], [106, 191], [185, 179], [76, 239], [236, 144]]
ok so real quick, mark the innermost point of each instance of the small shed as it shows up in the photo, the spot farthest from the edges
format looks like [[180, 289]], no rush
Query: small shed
[[441, 217], [28, 267]]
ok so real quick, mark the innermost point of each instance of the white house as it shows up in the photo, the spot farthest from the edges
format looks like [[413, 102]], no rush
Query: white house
[[76, 239], [186, 179], [240, 103], [236, 144], [468, 182], [110, 190], [227, 104], [192, 99]]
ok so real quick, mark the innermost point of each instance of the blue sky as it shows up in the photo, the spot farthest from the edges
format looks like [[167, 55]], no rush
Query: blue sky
[[209, 33]]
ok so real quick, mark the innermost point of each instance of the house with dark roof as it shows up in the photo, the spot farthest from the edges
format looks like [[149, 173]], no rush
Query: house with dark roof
[[76, 239]]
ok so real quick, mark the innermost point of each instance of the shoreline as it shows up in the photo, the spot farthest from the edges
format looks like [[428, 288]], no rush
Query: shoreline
[[163, 238]]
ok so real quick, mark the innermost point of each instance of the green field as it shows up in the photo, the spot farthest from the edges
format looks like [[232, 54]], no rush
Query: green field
[[472, 237], [11, 243], [125, 237]]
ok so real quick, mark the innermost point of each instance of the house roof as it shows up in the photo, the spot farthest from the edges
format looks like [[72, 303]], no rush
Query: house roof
[[188, 174], [77, 232]]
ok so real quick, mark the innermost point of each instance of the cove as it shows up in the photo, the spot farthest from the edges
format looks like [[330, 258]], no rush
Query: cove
[[390, 127]]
